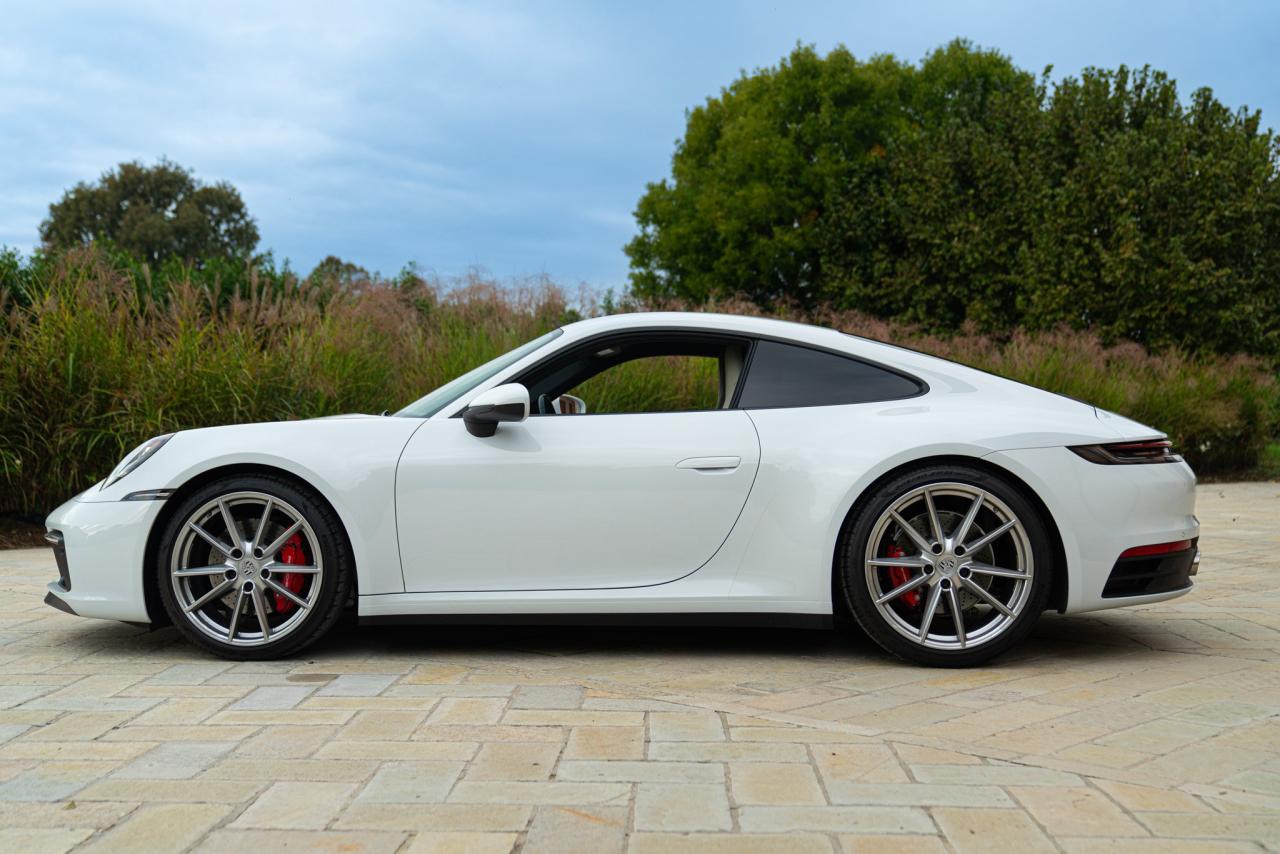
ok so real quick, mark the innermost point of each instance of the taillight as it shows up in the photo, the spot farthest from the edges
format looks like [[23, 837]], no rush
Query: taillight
[[1130, 453], [1157, 549]]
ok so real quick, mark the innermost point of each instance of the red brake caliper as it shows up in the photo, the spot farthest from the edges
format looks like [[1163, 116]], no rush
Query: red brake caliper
[[291, 552], [899, 575]]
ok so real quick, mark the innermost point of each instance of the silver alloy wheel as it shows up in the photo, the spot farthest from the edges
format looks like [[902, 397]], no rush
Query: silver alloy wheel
[[949, 550], [226, 572]]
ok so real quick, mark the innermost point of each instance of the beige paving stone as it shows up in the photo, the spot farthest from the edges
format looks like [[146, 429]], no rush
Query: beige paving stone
[[81, 750], [621, 771], [79, 726], [605, 743], [1076, 811], [159, 827], [571, 717], [436, 817], [514, 761], [774, 783], [917, 794], [409, 751], [448, 732], [44, 815], [462, 843], [179, 733], [468, 710], [725, 843], [1202, 763], [1263, 828], [799, 735], [865, 763], [295, 717], [564, 829], [435, 674], [685, 726], [411, 783], [228, 841], [180, 712], [1154, 846], [1150, 799], [877, 820], [709, 751], [994, 775], [305, 806], [871, 844], [382, 725], [42, 840], [467, 792], [997, 831], [302, 770], [171, 791], [288, 742], [682, 806]]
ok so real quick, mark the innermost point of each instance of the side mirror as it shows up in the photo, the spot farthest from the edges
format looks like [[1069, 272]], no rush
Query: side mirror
[[508, 402]]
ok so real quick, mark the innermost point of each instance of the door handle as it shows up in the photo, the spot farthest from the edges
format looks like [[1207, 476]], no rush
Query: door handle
[[710, 463]]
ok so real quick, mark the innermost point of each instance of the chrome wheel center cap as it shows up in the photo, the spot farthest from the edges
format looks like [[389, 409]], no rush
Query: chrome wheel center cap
[[947, 566]]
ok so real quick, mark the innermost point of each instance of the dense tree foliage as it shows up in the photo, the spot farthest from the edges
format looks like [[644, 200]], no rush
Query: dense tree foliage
[[965, 191], [155, 213]]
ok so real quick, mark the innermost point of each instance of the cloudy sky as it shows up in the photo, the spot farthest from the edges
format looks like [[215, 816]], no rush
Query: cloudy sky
[[515, 137]]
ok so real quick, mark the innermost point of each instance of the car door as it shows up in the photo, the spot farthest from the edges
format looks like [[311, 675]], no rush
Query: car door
[[571, 502]]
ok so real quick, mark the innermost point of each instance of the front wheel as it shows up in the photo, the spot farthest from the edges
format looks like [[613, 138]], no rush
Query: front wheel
[[947, 566], [253, 567]]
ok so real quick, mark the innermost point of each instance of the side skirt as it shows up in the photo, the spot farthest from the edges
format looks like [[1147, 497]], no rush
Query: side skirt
[[754, 620]]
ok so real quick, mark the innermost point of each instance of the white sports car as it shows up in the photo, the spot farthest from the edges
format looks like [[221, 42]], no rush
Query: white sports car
[[820, 475]]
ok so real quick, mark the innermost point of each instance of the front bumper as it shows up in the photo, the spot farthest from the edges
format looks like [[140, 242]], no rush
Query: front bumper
[[101, 557]]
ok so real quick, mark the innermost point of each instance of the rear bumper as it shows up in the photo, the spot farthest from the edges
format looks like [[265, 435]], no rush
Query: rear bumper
[[1100, 511], [100, 558]]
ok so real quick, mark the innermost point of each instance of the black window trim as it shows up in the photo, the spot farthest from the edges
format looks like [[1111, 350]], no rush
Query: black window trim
[[750, 339], [640, 334]]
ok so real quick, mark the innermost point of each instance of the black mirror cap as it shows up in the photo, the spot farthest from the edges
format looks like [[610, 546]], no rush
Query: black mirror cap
[[483, 421]]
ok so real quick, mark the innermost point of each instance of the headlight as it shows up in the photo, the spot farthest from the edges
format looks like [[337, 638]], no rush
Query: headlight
[[137, 457]]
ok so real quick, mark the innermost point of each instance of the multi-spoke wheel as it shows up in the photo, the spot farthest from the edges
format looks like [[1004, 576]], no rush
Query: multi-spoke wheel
[[253, 567], [946, 565]]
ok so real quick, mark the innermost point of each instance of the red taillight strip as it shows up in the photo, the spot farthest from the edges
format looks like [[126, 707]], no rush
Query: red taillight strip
[[1129, 453], [1157, 549]]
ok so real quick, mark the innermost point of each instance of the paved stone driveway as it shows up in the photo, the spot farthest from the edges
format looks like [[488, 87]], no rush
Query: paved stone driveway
[[1150, 730]]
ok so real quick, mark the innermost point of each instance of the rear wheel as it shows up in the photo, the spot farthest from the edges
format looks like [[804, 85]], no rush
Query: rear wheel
[[253, 567], [946, 566]]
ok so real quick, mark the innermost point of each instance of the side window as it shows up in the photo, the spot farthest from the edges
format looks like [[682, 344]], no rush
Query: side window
[[653, 384], [787, 375], [639, 373]]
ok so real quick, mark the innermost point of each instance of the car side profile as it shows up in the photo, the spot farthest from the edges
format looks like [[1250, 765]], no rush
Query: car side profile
[[800, 476]]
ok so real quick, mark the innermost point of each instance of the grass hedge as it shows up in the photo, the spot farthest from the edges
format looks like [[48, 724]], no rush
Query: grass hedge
[[92, 362]]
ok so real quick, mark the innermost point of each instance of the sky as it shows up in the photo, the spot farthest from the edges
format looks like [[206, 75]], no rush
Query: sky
[[513, 138]]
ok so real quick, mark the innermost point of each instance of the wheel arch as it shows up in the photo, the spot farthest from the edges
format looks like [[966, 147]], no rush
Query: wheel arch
[[1057, 592], [151, 584]]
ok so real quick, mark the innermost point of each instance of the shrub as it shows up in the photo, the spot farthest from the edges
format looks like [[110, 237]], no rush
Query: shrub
[[95, 357]]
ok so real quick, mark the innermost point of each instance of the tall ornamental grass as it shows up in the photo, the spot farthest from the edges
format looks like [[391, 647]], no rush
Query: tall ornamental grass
[[93, 360]]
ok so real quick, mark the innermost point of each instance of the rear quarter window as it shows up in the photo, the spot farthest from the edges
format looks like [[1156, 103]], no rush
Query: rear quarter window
[[787, 375]]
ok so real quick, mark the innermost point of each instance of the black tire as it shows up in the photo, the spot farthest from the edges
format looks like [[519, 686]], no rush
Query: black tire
[[856, 587], [335, 584]]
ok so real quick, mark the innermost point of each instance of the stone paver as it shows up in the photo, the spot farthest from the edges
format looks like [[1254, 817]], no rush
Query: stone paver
[[1152, 729]]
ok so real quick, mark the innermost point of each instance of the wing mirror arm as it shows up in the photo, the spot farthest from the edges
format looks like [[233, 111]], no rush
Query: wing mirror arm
[[488, 409]]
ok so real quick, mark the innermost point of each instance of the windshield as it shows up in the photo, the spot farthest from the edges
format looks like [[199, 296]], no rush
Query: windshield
[[425, 407]]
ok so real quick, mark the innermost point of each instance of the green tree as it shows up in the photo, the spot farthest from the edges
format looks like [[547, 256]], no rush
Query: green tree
[[761, 165], [155, 213], [964, 191]]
